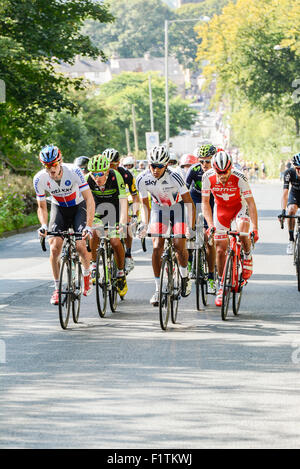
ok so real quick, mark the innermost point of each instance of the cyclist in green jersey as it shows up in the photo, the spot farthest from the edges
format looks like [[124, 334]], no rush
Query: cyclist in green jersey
[[108, 189]]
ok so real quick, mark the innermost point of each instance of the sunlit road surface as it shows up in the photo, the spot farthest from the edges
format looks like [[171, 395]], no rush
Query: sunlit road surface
[[121, 382]]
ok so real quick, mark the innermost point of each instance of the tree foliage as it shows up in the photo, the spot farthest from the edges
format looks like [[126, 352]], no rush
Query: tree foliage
[[138, 28], [34, 36], [239, 46]]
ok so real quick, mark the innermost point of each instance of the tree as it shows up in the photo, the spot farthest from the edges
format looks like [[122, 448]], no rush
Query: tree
[[34, 36], [127, 89], [139, 28], [183, 37], [239, 47]]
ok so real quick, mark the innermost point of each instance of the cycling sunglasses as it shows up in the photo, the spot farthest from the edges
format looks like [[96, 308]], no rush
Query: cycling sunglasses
[[51, 165], [205, 161], [99, 174], [156, 165]]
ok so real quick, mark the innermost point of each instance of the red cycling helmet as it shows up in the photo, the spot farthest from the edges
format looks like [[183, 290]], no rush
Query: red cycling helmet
[[188, 159]]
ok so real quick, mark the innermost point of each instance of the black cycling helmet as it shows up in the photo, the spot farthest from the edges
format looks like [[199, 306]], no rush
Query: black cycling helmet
[[296, 159], [81, 161]]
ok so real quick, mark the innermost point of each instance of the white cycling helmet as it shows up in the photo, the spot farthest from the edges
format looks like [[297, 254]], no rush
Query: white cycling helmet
[[221, 162], [112, 154], [159, 155], [128, 161]]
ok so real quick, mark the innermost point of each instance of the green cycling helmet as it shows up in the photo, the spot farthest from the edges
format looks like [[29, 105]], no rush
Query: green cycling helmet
[[206, 151], [98, 163]]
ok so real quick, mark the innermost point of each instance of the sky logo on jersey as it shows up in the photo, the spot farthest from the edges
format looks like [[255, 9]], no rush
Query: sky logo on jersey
[[68, 182]]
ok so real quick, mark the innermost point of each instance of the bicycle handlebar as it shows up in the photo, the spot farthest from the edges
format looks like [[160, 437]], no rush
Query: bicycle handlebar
[[281, 217], [64, 234]]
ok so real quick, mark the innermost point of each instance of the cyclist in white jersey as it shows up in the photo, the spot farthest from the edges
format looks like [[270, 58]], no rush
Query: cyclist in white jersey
[[170, 198], [72, 205]]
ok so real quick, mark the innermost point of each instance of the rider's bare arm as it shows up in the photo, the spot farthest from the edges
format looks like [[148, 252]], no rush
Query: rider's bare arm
[[123, 210], [188, 201], [42, 212], [90, 206], [284, 199], [206, 209], [145, 210], [252, 212]]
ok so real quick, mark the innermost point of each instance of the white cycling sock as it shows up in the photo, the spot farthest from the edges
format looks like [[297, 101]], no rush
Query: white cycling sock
[[56, 284], [86, 272], [183, 271], [157, 281]]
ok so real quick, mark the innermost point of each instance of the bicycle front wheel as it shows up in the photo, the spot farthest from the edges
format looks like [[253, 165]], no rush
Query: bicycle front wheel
[[64, 293], [227, 286], [297, 259], [113, 292], [176, 291], [77, 290], [238, 290], [201, 277], [165, 292], [101, 282]]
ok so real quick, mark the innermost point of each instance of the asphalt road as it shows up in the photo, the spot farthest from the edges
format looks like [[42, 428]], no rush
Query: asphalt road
[[121, 382]]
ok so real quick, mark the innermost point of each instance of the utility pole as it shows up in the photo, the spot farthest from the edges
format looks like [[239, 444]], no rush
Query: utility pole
[[151, 105], [136, 147], [127, 141]]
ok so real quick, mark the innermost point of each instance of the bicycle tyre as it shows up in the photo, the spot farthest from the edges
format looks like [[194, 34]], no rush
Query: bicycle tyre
[[204, 275], [237, 295], [113, 292], [165, 288], [144, 247], [101, 282], [176, 291], [297, 259], [197, 279], [77, 290], [64, 293], [227, 286]]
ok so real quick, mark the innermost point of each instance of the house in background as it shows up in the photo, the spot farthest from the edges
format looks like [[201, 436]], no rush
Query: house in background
[[100, 72]]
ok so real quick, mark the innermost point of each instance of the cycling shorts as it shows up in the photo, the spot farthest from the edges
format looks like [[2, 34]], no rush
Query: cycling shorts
[[223, 219], [294, 198], [161, 216], [63, 218]]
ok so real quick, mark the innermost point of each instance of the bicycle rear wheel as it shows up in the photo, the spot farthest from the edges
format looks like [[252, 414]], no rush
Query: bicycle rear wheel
[[297, 259], [201, 277], [113, 292], [227, 286], [237, 295], [165, 292], [101, 282], [64, 293], [176, 291], [77, 290], [144, 247]]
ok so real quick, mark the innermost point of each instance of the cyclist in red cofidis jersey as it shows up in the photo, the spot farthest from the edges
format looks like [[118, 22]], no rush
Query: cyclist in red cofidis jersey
[[233, 201]]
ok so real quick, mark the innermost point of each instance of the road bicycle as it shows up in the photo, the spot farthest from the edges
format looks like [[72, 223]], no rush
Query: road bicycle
[[200, 268], [170, 282], [70, 277], [232, 278], [106, 271], [296, 244]]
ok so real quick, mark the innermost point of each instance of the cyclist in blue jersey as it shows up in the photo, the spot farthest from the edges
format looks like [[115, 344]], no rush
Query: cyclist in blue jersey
[[194, 183]]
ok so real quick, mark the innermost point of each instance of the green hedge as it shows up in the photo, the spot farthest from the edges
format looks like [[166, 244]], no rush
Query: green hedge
[[17, 202]]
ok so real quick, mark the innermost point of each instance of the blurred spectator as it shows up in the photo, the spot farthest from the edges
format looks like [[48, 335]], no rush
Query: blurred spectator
[[281, 169]]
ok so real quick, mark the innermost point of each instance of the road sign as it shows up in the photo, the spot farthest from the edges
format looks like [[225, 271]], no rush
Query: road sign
[[152, 139]]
